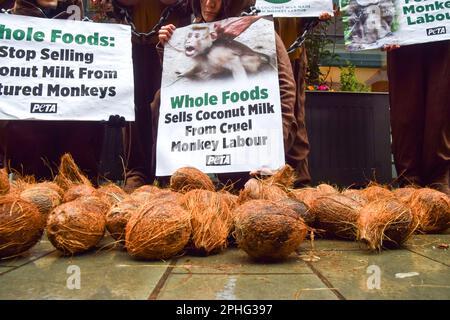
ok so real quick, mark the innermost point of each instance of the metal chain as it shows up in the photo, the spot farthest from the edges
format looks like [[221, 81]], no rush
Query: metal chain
[[309, 27], [162, 20]]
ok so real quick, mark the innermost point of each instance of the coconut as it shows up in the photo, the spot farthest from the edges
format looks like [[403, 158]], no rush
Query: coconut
[[44, 196], [167, 195], [267, 231], [111, 193], [77, 226], [326, 189], [148, 189], [21, 225], [77, 191], [404, 194], [230, 199], [69, 174], [299, 208], [118, 216], [4, 182], [158, 230], [432, 208], [211, 220], [305, 195], [336, 214], [188, 178], [385, 223], [357, 195], [375, 192], [255, 189], [284, 177], [94, 203]]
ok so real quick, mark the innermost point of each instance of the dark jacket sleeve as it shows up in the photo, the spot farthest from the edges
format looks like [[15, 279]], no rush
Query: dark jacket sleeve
[[287, 94]]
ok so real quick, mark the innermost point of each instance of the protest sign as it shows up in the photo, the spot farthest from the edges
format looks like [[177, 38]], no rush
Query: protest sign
[[64, 69], [371, 24], [295, 8], [220, 100]]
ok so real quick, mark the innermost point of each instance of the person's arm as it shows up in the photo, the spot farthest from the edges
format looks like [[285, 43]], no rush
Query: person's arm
[[234, 28]]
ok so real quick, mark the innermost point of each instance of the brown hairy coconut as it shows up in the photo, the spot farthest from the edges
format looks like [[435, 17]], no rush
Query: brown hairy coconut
[[148, 188], [4, 182], [21, 225], [404, 194], [255, 189], [77, 226], [167, 195], [326, 188], [77, 191], [284, 177], [267, 231], [375, 192], [385, 223], [357, 195], [188, 178], [111, 193], [299, 208], [158, 230], [69, 174], [336, 214], [118, 216], [211, 220], [432, 208], [94, 203], [305, 195], [44, 196], [230, 199]]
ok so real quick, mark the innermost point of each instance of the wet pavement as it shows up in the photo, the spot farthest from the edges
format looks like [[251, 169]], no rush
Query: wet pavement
[[333, 270]]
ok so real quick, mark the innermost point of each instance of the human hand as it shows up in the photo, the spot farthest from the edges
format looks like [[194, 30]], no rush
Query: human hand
[[262, 172], [234, 28], [324, 16], [116, 121], [390, 47], [165, 33]]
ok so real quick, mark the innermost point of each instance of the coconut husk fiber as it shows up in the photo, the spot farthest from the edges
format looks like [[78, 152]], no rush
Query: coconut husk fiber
[[45, 196], [284, 177], [77, 226], [375, 192], [4, 182], [404, 194], [267, 231], [158, 230], [78, 190], [21, 225], [151, 189], [118, 216], [305, 195], [69, 173], [111, 193], [167, 195], [211, 220], [385, 223], [188, 178], [432, 209], [326, 189], [299, 208], [256, 189], [230, 199], [94, 203], [357, 195], [337, 215]]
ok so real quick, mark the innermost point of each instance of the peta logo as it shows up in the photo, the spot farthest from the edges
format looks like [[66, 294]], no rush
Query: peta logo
[[44, 107], [218, 160], [436, 31]]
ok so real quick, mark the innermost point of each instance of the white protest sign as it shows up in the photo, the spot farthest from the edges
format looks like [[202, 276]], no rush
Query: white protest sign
[[295, 8], [64, 69], [371, 24], [220, 100]]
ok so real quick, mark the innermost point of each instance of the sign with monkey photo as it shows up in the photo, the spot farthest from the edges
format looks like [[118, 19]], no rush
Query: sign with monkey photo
[[371, 24], [220, 99], [294, 8]]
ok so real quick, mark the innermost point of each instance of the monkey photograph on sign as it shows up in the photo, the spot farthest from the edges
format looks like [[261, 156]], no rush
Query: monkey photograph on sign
[[199, 52]]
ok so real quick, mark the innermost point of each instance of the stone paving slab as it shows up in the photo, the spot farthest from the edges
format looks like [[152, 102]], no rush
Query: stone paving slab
[[245, 286], [41, 249], [107, 274], [235, 261], [348, 272]]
